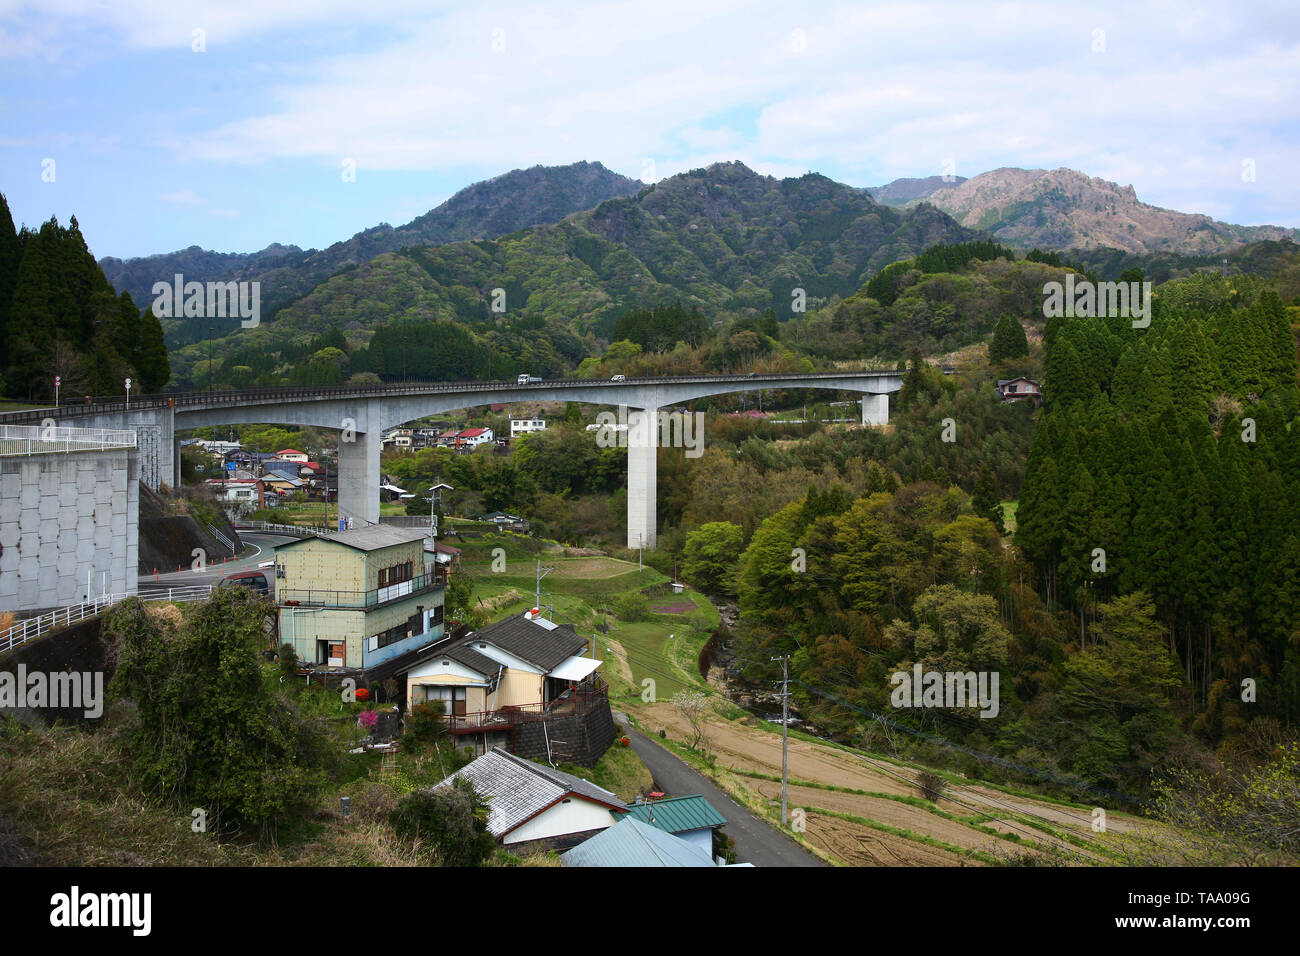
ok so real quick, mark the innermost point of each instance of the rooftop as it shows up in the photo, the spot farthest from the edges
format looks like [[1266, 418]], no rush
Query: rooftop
[[678, 814], [633, 843], [541, 643], [517, 790], [369, 538]]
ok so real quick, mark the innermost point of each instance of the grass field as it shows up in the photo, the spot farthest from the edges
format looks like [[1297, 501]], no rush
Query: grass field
[[584, 591]]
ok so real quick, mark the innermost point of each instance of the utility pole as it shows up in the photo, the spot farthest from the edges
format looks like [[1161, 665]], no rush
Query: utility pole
[[785, 737], [541, 573]]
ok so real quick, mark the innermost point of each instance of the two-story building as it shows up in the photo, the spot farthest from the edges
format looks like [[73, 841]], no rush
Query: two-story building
[[523, 426], [358, 598], [523, 683], [1020, 389]]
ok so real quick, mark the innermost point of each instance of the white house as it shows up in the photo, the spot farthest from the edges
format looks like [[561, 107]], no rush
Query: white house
[[522, 426], [473, 437], [533, 804]]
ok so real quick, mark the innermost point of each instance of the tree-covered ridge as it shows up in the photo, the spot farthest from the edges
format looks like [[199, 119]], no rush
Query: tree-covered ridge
[[725, 240], [485, 210], [1175, 450], [59, 316]]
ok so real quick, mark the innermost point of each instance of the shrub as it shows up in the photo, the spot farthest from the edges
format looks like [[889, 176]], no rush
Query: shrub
[[451, 822], [288, 661], [931, 785], [424, 721], [632, 607]]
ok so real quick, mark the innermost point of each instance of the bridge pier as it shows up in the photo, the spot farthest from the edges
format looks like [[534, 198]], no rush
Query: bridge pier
[[359, 477], [642, 477], [875, 409]]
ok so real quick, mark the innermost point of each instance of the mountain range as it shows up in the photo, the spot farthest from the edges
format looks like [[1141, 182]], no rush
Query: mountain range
[[581, 245], [1061, 209], [484, 210]]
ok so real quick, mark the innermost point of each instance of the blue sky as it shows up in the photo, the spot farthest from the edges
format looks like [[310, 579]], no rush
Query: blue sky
[[157, 146]]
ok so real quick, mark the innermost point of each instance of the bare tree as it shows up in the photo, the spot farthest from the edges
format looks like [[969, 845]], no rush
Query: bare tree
[[693, 705]]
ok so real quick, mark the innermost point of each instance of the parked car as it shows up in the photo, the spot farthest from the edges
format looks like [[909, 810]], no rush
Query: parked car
[[249, 579]]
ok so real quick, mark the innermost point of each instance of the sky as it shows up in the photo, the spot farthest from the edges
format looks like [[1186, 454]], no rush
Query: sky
[[163, 124]]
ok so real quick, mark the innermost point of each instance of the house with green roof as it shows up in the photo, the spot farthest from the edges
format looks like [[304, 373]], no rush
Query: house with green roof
[[692, 818]]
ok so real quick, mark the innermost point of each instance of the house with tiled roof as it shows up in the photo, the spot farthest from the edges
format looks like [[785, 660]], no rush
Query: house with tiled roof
[[525, 684], [473, 437], [535, 806], [1020, 389]]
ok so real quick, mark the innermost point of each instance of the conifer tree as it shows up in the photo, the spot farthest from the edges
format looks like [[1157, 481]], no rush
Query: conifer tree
[[1009, 341]]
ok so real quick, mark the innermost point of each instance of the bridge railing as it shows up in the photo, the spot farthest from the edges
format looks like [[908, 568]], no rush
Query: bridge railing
[[35, 627], [296, 530], [210, 399], [39, 440]]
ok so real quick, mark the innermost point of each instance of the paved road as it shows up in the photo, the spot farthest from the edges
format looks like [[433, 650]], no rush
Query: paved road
[[263, 550], [756, 841]]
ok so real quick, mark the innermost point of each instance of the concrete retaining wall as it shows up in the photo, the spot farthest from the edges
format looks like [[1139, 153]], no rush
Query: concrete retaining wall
[[63, 516]]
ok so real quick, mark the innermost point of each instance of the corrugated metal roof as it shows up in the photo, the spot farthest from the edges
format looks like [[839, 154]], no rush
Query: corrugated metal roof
[[517, 789], [370, 538], [633, 843], [678, 814]]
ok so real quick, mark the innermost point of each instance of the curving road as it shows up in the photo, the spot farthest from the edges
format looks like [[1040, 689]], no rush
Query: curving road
[[262, 548]]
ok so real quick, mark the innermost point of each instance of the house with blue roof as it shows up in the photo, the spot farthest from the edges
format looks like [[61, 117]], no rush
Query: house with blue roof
[[691, 818], [633, 843]]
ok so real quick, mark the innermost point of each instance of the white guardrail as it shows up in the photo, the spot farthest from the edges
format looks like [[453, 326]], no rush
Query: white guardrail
[[35, 627], [43, 439]]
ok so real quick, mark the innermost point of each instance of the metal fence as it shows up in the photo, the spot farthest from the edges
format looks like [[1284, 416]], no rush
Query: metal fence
[[42, 439], [63, 617], [296, 530]]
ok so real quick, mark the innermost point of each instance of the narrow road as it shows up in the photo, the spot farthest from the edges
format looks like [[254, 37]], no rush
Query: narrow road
[[756, 841]]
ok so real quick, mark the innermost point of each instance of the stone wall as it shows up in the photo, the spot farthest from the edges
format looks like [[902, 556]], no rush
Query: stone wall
[[581, 739]]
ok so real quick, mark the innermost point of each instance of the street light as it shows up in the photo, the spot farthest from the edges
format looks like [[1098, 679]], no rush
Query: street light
[[128, 393]]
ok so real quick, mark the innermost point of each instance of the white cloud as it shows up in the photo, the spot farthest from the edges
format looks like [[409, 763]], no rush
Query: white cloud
[[185, 197], [1179, 96]]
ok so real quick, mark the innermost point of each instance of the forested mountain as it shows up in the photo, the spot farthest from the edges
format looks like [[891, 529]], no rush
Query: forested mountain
[[1176, 451], [484, 210], [725, 239], [60, 316], [902, 191], [1063, 209], [1156, 563], [1266, 257]]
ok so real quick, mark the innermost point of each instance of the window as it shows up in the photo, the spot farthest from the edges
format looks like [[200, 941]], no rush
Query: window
[[453, 698], [390, 636]]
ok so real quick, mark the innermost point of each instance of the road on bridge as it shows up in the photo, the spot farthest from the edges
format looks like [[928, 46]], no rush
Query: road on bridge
[[757, 841]]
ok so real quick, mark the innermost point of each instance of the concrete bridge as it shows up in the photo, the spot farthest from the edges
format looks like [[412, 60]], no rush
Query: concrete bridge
[[362, 414]]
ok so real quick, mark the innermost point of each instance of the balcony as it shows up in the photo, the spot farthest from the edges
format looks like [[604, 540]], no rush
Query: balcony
[[579, 700], [360, 600]]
